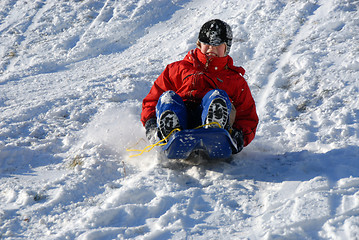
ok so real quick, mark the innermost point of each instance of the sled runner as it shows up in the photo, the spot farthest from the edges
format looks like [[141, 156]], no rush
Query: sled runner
[[207, 143]]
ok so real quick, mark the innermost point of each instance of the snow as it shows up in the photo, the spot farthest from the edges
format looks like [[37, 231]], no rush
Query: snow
[[72, 78]]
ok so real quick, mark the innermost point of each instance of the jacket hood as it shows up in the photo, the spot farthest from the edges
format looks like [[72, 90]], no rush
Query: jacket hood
[[202, 62]]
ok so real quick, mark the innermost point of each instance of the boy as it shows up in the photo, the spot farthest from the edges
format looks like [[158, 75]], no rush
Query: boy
[[203, 88]]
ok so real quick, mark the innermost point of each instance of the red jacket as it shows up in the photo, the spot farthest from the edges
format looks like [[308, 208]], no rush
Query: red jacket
[[194, 76]]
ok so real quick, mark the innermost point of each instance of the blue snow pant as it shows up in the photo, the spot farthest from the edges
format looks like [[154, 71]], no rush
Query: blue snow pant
[[190, 114]]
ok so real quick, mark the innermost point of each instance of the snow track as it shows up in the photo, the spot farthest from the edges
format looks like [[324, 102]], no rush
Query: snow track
[[72, 78], [282, 59], [104, 15]]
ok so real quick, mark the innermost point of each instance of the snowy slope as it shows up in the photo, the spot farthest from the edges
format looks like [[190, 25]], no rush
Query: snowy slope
[[72, 78]]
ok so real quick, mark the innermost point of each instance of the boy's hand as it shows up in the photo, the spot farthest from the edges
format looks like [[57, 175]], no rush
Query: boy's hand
[[237, 136], [151, 130]]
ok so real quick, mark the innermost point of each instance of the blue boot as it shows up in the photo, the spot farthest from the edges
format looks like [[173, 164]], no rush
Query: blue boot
[[216, 109], [171, 113]]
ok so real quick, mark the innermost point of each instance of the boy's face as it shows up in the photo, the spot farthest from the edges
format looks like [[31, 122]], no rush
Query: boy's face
[[213, 51]]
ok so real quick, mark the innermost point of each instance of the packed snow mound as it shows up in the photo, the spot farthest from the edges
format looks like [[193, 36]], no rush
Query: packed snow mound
[[72, 78]]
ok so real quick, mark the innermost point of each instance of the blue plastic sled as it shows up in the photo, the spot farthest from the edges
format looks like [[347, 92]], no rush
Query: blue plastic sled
[[211, 143]]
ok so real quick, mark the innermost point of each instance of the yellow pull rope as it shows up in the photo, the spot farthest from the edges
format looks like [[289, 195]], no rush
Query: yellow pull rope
[[163, 141], [207, 124], [150, 147]]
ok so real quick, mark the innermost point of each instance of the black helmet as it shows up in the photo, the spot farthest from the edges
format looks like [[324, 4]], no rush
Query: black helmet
[[215, 32]]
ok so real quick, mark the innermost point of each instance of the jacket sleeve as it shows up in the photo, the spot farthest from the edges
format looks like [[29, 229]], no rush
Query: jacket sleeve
[[162, 84], [246, 114]]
